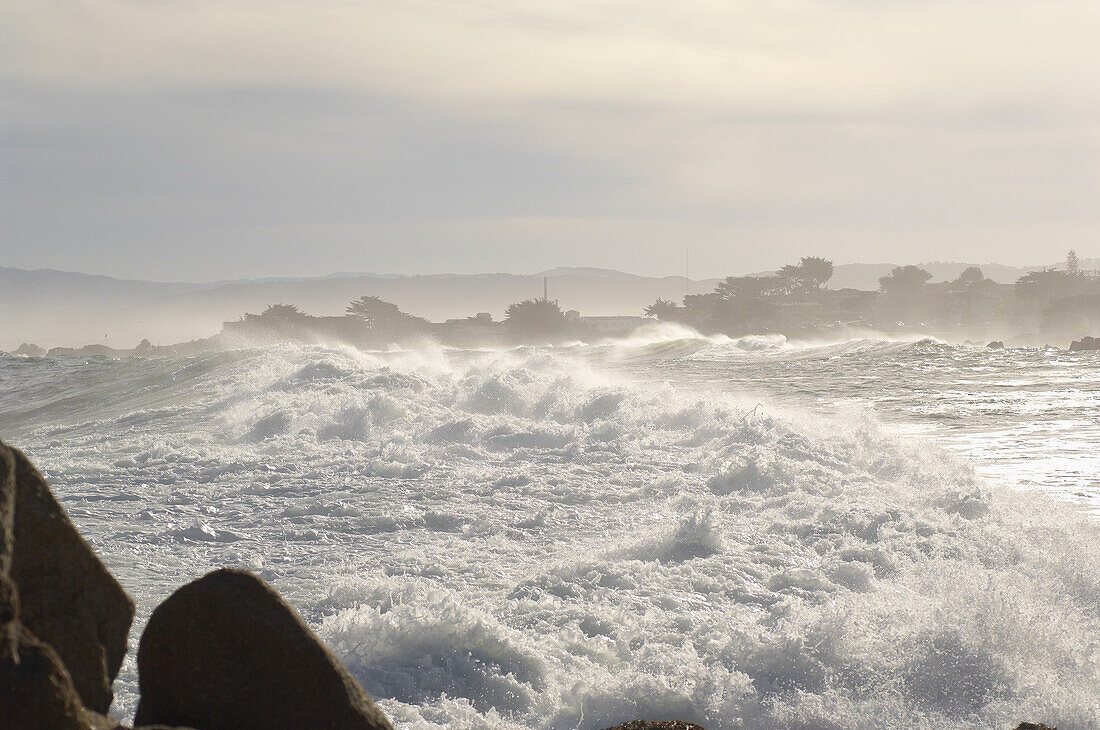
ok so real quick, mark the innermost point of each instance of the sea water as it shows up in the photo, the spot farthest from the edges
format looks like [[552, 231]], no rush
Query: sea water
[[742, 533]]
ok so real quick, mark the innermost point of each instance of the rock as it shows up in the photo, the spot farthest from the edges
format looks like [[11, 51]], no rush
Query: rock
[[225, 651], [104, 722], [36, 691], [66, 597], [1085, 343], [666, 725], [28, 349], [86, 351], [1034, 726], [996, 345]]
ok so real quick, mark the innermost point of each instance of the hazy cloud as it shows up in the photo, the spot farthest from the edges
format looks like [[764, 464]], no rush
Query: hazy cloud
[[275, 138]]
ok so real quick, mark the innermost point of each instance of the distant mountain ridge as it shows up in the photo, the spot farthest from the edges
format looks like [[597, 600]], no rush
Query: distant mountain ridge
[[866, 276], [55, 308], [51, 307]]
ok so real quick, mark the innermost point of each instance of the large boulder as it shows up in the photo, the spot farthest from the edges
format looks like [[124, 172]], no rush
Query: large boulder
[[66, 597], [36, 692], [226, 652]]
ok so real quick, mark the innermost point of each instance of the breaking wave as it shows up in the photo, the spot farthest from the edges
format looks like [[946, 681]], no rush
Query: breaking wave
[[527, 540]]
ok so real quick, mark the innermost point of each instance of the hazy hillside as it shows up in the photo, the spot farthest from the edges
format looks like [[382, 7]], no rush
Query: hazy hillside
[[57, 308], [51, 308], [866, 276], [47, 289]]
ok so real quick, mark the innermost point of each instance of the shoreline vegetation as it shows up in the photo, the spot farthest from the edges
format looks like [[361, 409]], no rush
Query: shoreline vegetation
[[1053, 305]]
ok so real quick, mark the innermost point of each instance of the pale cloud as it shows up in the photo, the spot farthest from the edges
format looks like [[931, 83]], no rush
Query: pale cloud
[[754, 54], [868, 130]]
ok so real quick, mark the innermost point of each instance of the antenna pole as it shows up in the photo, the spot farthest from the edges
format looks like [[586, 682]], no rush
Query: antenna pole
[[687, 269], [544, 292]]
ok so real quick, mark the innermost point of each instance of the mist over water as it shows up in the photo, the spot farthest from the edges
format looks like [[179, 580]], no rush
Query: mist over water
[[740, 533]]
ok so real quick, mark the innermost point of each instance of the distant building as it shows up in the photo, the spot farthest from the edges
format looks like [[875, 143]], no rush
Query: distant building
[[479, 330], [611, 325]]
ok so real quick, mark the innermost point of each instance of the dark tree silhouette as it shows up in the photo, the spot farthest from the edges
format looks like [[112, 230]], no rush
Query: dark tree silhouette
[[665, 310], [535, 317], [815, 270], [792, 279], [380, 314], [1073, 264], [1045, 286], [904, 280], [972, 278], [739, 287], [278, 313]]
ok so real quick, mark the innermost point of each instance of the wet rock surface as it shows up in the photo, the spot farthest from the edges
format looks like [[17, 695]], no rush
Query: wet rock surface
[[222, 652], [67, 597], [227, 652], [36, 692]]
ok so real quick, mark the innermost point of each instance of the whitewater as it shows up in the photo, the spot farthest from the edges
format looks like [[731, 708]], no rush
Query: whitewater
[[745, 533]]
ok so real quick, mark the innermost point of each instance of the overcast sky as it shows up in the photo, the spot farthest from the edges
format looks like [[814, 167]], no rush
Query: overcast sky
[[212, 139]]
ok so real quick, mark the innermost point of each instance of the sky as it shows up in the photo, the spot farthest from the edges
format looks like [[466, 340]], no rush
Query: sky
[[202, 140]]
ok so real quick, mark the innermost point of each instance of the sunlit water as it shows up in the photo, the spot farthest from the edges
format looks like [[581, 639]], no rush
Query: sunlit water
[[574, 537], [1029, 416]]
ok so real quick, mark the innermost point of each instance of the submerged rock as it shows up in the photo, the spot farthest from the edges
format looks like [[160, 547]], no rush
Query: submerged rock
[[66, 596], [1085, 343], [29, 349], [225, 651]]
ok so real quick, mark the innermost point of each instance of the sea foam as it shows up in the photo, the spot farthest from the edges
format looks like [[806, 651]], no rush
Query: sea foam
[[524, 540]]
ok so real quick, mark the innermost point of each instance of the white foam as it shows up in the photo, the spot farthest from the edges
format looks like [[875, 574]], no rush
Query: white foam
[[520, 540]]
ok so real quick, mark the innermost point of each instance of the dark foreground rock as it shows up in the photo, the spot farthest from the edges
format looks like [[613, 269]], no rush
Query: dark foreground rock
[[666, 725], [227, 652], [1085, 343], [222, 652], [66, 596], [36, 692]]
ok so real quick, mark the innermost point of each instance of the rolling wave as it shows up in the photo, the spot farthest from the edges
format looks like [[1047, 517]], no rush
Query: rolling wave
[[529, 539]]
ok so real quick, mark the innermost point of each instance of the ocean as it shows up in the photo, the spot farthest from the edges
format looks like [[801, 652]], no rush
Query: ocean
[[742, 533]]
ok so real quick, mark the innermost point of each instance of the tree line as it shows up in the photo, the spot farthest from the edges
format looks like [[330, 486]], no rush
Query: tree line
[[744, 303], [793, 296]]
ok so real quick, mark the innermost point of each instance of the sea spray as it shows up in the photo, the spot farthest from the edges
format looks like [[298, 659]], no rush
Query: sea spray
[[522, 540]]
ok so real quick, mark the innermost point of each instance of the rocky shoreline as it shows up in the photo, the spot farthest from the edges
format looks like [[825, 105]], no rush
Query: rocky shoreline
[[222, 652]]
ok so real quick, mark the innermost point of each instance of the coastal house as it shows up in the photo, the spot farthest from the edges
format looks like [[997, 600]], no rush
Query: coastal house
[[611, 325]]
